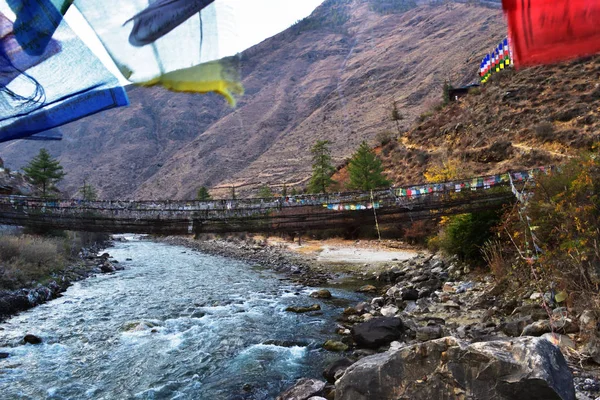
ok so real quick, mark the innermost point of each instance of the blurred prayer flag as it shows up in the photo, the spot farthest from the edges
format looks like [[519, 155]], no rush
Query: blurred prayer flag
[[549, 31]]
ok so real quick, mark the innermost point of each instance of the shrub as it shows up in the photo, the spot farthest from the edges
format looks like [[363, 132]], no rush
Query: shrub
[[556, 238], [544, 131], [464, 234], [27, 258], [418, 232], [384, 137]]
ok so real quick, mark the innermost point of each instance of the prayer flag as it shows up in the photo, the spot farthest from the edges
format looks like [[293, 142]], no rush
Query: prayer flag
[[47, 81], [547, 31]]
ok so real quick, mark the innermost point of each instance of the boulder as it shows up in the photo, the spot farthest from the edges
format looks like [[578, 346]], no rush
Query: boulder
[[3, 355], [426, 333], [107, 268], [377, 332], [409, 294], [515, 327], [332, 369], [333, 345], [32, 339], [389, 311], [303, 390], [560, 325], [299, 310], [321, 294], [367, 289], [526, 368]]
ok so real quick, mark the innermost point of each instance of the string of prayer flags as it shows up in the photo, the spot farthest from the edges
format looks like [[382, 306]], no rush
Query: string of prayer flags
[[496, 61]]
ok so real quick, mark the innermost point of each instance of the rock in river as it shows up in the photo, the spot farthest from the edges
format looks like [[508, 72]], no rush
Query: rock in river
[[377, 332], [32, 339], [321, 294], [314, 307], [333, 345], [367, 289], [527, 368]]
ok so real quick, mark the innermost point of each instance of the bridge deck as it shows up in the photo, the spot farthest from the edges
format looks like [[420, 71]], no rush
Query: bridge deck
[[297, 213]]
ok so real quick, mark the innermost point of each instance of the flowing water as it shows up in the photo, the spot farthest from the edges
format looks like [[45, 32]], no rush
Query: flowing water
[[175, 324]]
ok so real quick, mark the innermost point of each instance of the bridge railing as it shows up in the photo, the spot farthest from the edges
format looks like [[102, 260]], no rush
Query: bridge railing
[[246, 208]]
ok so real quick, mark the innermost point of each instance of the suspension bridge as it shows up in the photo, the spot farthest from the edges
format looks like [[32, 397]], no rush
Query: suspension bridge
[[282, 214]]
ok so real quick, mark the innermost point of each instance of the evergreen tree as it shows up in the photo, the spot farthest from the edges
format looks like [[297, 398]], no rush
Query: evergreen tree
[[203, 194], [265, 192], [322, 169], [365, 169], [88, 193], [284, 190], [44, 172]]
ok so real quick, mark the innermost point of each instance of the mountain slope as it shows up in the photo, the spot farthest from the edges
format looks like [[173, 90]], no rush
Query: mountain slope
[[335, 76], [521, 119]]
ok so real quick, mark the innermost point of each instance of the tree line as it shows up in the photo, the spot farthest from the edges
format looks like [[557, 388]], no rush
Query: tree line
[[365, 172]]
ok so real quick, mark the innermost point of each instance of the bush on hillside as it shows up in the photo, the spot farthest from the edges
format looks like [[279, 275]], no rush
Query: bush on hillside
[[556, 237]]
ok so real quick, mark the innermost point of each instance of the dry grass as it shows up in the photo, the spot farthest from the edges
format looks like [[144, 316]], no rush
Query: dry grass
[[28, 258]]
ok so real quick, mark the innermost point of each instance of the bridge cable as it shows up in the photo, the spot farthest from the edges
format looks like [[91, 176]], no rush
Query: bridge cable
[[375, 214]]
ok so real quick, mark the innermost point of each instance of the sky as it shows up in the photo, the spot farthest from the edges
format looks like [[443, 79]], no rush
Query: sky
[[252, 22]]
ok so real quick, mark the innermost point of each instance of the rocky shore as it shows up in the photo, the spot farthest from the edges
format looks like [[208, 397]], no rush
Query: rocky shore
[[15, 301], [434, 330], [299, 269]]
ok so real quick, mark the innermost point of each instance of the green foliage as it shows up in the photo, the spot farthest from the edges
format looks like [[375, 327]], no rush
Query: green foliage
[[322, 169], [284, 190], [392, 6], [265, 192], [365, 170], [464, 234], [44, 172], [88, 193], [562, 219], [334, 16], [203, 194], [445, 94]]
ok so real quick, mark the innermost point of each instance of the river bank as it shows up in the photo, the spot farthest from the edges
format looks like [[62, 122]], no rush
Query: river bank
[[51, 286], [421, 302], [186, 324]]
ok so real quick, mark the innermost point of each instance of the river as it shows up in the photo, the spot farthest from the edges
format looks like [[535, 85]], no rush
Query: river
[[214, 328]]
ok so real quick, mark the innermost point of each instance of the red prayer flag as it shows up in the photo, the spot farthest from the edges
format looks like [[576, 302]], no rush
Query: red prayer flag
[[547, 31]]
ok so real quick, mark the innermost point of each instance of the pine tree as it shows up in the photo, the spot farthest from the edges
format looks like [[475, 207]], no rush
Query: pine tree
[[265, 192], [365, 170], [44, 172], [203, 194], [88, 193], [284, 191], [322, 169]]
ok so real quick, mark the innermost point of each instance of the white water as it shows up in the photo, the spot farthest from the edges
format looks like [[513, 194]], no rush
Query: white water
[[218, 324]]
